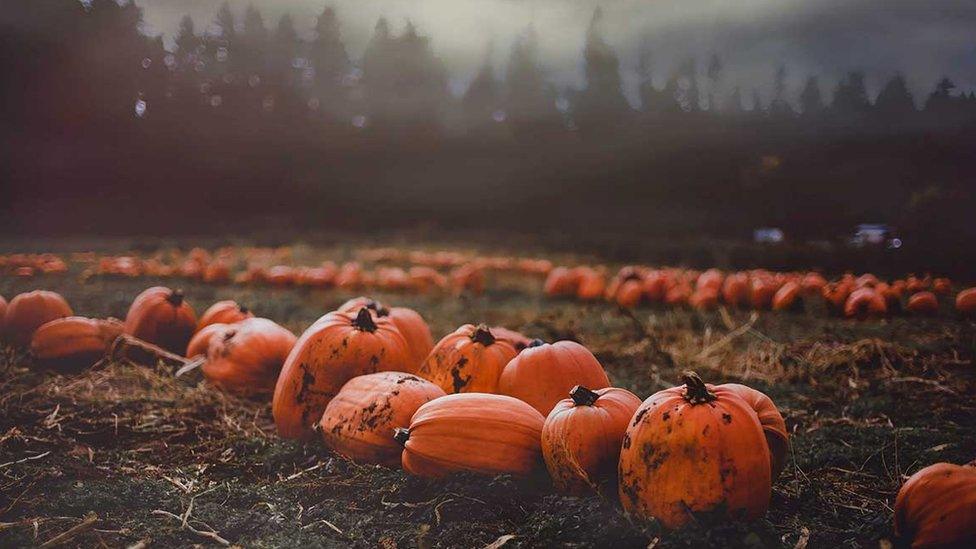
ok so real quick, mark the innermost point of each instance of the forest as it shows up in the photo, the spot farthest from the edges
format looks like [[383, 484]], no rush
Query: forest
[[111, 130]]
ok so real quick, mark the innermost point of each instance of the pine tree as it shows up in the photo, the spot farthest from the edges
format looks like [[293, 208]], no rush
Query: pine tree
[[601, 101], [811, 103], [894, 101], [329, 59]]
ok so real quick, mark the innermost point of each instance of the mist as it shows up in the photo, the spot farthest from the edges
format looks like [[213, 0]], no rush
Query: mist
[[921, 39]]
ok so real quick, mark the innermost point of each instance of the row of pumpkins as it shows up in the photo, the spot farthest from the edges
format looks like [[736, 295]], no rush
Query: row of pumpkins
[[371, 383], [854, 297]]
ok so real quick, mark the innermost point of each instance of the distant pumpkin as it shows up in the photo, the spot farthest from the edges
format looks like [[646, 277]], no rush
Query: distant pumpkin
[[162, 317], [74, 342], [923, 303], [29, 311]]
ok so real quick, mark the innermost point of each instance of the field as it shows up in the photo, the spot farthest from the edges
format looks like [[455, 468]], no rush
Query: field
[[137, 457]]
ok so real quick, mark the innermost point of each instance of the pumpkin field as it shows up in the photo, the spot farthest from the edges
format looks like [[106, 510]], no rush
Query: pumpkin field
[[366, 395]]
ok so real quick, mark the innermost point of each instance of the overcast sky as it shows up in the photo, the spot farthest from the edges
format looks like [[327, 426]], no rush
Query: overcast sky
[[923, 39]]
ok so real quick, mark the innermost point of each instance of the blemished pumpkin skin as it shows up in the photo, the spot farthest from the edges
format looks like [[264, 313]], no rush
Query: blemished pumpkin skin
[[162, 317], [336, 348], [582, 435], [73, 342], [412, 326], [923, 303], [359, 422], [246, 357], [965, 302], [223, 312], [473, 432], [29, 311], [543, 374], [469, 360], [936, 507], [773, 424], [693, 449]]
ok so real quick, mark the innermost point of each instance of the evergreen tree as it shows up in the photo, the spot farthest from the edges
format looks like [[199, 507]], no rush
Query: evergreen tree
[[851, 96], [894, 101], [811, 103], [330, 61], [528, 99], [779, 106], [714, 74], [602, 100], [482, 99]]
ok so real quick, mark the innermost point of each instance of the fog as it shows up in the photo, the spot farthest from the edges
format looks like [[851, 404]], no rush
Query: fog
[[922, 39]]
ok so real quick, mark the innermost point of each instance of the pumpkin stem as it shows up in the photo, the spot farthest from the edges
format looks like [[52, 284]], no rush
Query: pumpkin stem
[[364, 321], [401, 435], [378, 307], [243, 309], [582, 396], [695, 390], [483, 335], [535, 343], [175, 297]]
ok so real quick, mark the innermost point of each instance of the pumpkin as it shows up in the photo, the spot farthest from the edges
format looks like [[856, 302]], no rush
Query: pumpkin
[[217, 272], [561, 281], [787, 297], [162, 317], [543, 374], [965, 302], [864, 302], [592, 284], [582, 435], [3, 311], [711, 279], [469, 360], [942, 286], [245, 358], [936, 507], [74, 342], [761, 292], [835, 294], [336, 348], [813, 283], [359, 422], [29, 311], [704, 298], [735, 290], [474, 432], [629, 294], [655, 286], [200, 341], [923, 303], [468, 278], [223, 312], [773, 424], [678, 294], [693, 449], [412, 327]]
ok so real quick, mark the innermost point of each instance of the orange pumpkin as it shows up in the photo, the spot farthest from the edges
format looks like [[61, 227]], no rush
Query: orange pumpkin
[[518, 340], [336, 348], [761, 291], [162, 317], [561, 281], [475, 432], [629, 294], [773, 425], [29, 311], [923, 303], [412, 327], [836, 294], [591, 285], [655, 286], [936, 507], [813, 283], [245, 358], [3, 311], [735, 290], [965, 302], [711, 280], [694, 449], [582, 435], [74, 342], [942, 286], [359, 422], [864, 302], [469, 360], [543, 374], [223, 312], [704, 298], [200, 341], [787, 297]]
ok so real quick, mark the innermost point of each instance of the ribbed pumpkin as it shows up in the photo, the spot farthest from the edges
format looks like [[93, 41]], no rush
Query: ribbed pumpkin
[[469, 360], [412, 327], [693, 449], [936, 507], [29, 311], [245, 358], [773, 425], [359, 422], [923, 303], [162, 317], [223, 312], [543, 374], [336, 348], [200, 341], [582, 435], [74, 342], [476, 432]]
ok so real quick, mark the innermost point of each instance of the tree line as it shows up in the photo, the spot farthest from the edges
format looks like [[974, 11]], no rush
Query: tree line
[[77, 61]]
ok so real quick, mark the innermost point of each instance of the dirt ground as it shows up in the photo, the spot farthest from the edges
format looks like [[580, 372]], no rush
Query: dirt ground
[[136, 457]]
